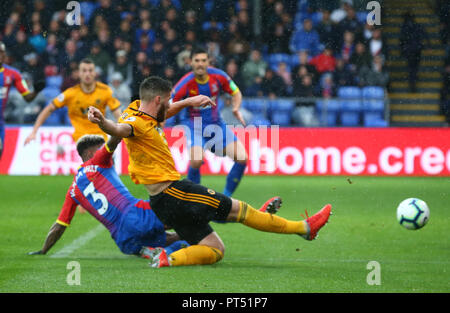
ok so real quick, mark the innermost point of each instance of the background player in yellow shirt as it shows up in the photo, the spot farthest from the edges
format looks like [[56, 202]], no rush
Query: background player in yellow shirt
[[78, 99], [181, 204]]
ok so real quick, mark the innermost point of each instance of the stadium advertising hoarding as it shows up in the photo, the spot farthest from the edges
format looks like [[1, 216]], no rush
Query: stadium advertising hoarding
[[271, 151]]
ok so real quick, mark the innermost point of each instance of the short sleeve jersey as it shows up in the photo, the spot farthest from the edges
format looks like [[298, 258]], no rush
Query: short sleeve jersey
[[150, 158], [78, 102]]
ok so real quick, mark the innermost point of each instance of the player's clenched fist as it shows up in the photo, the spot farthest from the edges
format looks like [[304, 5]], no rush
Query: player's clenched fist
[[95, 116]]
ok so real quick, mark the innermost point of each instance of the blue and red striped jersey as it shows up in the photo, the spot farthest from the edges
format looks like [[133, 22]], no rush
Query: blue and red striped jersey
[[9, 76], [189, 86], [99, 190]]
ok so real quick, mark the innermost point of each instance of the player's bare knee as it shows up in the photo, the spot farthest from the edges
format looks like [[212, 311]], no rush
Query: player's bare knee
[[234, 212]]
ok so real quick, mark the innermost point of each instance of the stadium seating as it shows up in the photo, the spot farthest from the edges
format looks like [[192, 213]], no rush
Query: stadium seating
[[50, 93], [349, 119], [54, 81], [281, 111], [327, 111], [373, 99]]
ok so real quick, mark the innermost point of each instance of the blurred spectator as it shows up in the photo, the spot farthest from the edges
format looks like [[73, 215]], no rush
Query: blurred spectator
[[411, 44], [350, 22], [107, 11], [158, 58], [344, 75], [172, 45], [303, 61], [303, 88], [143, 32], [445, 93], [305, 39], [121, 91], [327, 31], [70, 80], [170, 74], [327, 86], [34, 67], [254, 67], [340, 13], [215, 56], [278, 42], [324, 62], [377, 44], [255, 89], [232, 70], [125, 30], [52, 50], [37, 40], [285, 73], [100, 58], [348, 46], [360, 57], [273, 85], [191, 22], [244, 25], [69, 57], [122, 66], [183, 62], [376, 75], [21, 48]]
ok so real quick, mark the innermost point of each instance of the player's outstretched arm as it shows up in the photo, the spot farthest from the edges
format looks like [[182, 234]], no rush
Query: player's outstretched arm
[[108, 126], [236, 101], [197, 101], [53, 236], [42, 117]]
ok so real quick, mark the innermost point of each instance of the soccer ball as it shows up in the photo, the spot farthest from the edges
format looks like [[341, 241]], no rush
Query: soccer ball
[[413, 213]]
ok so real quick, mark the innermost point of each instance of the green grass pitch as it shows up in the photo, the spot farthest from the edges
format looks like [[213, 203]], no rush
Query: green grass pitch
[[363, 229]]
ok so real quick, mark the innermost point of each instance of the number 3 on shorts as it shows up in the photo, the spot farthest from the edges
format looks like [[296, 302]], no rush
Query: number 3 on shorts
[[90, 190]]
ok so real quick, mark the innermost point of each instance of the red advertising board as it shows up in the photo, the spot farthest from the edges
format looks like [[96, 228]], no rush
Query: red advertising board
[[271, 151]]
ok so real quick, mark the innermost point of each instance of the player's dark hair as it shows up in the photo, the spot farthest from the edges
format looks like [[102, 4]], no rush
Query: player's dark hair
[[154, 86], [87, 61], [198, 50], [88, 141]]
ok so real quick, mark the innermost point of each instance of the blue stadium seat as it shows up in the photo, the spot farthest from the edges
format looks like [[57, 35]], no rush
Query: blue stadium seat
[[373, 99], [255, 106], [350, 98], [350, 119], [281, 112], [331, 105], [281, 118], [50, 93], [361, 16], [373, 92], [276, 58], [259, 120], [54, 81], [87, 8], [374, 119], [329, 119]]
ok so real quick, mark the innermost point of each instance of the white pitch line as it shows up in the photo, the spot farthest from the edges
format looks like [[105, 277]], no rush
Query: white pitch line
[[78, 243]]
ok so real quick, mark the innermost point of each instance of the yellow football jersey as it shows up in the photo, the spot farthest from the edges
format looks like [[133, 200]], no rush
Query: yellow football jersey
[[78, 102], [151, 161]]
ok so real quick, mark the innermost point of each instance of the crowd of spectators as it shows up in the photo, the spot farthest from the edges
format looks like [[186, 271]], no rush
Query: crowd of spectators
[[328, 46], [443, 11]]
